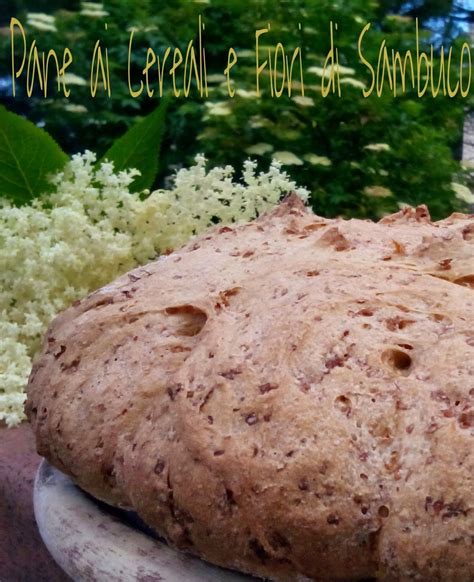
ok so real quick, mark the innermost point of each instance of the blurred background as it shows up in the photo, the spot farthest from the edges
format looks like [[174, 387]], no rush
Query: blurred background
[[358, 157]]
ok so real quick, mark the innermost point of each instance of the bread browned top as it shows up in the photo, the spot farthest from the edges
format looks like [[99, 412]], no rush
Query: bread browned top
[[291, 397]]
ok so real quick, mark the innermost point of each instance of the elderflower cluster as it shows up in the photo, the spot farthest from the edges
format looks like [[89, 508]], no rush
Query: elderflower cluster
[[90, 230]]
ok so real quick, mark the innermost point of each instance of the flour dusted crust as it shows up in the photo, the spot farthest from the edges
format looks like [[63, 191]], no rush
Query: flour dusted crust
[[292, 397]]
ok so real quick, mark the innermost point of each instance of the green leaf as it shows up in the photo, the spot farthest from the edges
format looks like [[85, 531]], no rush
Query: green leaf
[[139, 148], [28, 155]]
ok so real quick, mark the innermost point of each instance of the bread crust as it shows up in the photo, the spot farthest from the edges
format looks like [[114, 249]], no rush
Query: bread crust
[[291, 397]]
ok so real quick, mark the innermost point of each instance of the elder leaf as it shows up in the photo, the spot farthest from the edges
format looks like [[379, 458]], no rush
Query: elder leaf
[[28, 155], [140, 148]]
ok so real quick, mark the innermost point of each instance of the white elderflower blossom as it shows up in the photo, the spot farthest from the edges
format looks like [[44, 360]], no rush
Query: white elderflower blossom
[[246, 54], [94, 13], [75, 108], [37, 20], [93, 9], [92, 5], [463, 193], [377, 191], [218, 108], [216, 78], [317, 160], [259, 149], [91, 229], [303, 100], [41, 17], [72, 79], [257, 121], [288, 158], [246, 94], [320, 71], [326, 72], [377, 147], [345, 70], [352, 82]]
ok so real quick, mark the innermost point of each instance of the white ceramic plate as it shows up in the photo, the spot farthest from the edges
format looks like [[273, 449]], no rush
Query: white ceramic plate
[[93, 543]]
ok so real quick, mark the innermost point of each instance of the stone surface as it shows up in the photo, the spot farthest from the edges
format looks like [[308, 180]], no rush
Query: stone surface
[[23, 556]]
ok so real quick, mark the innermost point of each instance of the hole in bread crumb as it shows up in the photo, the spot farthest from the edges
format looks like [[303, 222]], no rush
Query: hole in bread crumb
[[251, 419], [468, 232], [405, 346], [466, 419], [60, 352], [229, 495], [258, 550], [344, 404], [332, 519], [187, 320], [438, 317], [303, 484], [383, 511], [159, 466], [278, 541], [397, 322], [366, 312], [397, 359]]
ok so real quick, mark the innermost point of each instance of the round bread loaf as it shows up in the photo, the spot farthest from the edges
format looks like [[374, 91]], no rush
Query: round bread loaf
[[292, 397]]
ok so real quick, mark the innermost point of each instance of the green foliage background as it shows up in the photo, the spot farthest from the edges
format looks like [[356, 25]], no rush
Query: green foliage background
[[424, 134]]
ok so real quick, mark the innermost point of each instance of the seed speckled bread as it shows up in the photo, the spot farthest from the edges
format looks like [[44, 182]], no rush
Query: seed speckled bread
[[291, 397]]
